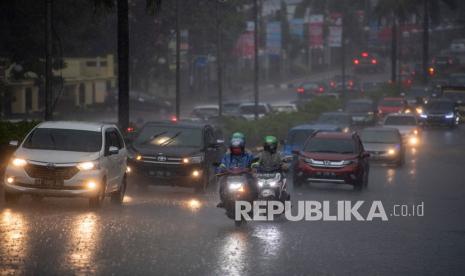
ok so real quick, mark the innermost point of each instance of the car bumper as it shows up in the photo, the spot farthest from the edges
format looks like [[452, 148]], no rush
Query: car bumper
[[179, 174], [76, 186], [344, 175], [439, 121], [384, 157]]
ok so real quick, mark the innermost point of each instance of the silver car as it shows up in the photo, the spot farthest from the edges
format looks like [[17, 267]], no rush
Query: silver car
[[68, 159], [384, 144]]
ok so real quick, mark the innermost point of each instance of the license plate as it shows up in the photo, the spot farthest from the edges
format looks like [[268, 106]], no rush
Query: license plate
[[326, 174], [49, 182]]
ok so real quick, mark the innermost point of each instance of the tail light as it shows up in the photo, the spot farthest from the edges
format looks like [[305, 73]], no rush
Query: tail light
[[351, 83], [374, 61], [364, 54], [300, 90], [174, 119], [130, 129], [332, 83], [321, 89], [431, 71], [356, 61]]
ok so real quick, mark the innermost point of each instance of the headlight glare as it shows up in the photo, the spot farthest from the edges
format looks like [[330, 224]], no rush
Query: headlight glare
[[86, 166], [18, 162]]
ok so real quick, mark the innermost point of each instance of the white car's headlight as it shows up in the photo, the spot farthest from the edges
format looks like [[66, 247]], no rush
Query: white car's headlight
[[273, 182], [87, 166], [450, 115], [261, 182], [18, 162], [193, 159]]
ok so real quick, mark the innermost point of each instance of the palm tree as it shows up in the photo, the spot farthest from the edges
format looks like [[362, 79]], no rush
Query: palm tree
[[122, 7]]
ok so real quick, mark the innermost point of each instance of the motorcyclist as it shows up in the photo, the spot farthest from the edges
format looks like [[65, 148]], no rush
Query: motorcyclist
[[236, 157], [271, 158]]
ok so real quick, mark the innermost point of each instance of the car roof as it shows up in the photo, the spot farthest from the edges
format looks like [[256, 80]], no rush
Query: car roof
[[251, 103], [206, 106], [334, 135], [381, 129], [88, 126], [186, 124], [400, 115], [323, 127]]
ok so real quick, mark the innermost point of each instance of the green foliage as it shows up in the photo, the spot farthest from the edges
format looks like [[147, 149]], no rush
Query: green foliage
[[278, 124], [14, 131]]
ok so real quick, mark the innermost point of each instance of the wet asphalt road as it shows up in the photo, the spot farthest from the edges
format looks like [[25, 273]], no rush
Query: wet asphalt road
[[173, 231]]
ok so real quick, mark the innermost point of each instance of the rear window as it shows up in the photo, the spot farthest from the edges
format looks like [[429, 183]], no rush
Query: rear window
[[400, 121], [298, 137], [64, 140], [330, 145]]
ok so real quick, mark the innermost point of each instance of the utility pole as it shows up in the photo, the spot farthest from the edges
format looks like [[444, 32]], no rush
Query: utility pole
[[343, 58], [256, 60], [178, 64], [219, 58], [48, 60], [425, 41], [394, 49], [123, 63]]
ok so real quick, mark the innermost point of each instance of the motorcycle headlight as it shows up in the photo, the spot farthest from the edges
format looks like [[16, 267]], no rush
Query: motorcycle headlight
[[415, 131], [193, 159], [273, 182], [234, 186], [87, 166], [391, 151], [419, 110], [18, 162], [346, 130]]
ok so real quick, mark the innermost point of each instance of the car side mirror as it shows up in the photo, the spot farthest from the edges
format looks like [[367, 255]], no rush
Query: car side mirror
[[365, 154], [113, 150], [13, 143]]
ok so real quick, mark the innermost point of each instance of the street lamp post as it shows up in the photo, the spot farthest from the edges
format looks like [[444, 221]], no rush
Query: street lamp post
[[256, 66], [178, 63], [219, 55], [48, 60]]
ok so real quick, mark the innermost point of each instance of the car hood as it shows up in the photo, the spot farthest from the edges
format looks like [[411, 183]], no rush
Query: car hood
[[379, 146], [168, 151], [56, 156], [329, 156], [403, 129]]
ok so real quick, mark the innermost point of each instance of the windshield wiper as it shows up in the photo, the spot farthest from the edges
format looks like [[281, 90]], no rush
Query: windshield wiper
[[171, 139], [153, 137]]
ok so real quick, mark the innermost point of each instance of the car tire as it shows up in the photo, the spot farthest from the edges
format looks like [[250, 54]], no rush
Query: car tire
[[11, 198], [117, 197], [360, 183], [96, 201]]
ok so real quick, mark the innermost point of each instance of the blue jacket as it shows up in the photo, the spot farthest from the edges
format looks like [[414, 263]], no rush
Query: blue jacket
[[235, 161]]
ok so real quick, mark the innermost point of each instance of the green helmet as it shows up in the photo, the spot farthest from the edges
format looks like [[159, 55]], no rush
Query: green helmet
[[238, 135], [270, 144], [237, 143]]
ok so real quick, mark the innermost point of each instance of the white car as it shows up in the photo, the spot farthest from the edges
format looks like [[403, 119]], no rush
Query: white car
[[458, 46], [68, 159], [247, 110], [205, 111], [284, 108], [406, 124]]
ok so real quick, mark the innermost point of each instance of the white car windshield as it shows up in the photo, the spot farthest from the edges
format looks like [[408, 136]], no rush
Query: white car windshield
[[64, 140]]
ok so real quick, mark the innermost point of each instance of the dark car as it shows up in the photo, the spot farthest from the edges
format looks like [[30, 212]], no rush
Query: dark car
[[362, 111], [367, 62], [177, 153], [297, 135], [333, 157], [310, 88], [341, 120], [440, 112], [352, 84]]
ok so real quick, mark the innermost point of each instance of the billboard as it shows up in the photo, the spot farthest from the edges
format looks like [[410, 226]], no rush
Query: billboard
[[273, 38], [315, 31], [335, 30]]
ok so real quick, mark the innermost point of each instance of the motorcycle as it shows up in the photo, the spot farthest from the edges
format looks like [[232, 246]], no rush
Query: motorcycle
[[271, 184], [237, 187]]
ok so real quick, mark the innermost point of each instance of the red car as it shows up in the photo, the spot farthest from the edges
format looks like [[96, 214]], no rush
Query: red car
[[367, 62], [333, 157], [392, 105]]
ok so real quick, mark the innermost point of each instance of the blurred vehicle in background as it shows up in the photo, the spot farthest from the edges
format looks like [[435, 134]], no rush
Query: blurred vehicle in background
[[457, 46], [367, 62], [297, 136], [309, 89], [352, 84], [176, 153], [417, 95], [457, 79], [341, 120], [333, 157], [443, 65], [247, 110], [205, 111], [231, 108], [440, 112], [390, 105], [362, 111], [284, 107], [407, 125], [383, 144], [69, 159]]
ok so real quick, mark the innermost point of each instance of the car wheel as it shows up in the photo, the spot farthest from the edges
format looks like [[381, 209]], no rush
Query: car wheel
[[96, 201], [359, 183], [118, 196], [11, 198]]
